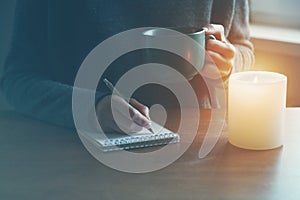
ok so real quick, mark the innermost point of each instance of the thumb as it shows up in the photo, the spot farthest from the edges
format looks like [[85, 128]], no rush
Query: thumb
[[216, 30]]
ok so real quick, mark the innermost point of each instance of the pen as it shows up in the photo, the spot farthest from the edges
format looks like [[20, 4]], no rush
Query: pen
[[113, 89]]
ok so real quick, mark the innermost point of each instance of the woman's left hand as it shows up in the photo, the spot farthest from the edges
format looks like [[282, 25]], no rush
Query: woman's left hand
[[220, 51]]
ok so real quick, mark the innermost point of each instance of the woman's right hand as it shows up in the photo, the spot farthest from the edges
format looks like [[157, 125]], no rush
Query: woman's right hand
[[116, 114]]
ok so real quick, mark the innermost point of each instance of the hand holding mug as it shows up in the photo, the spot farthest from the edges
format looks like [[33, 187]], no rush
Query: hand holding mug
[[220, 51]]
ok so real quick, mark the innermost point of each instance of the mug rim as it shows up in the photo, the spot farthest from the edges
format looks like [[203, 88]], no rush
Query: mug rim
[[194, 31], [269, 77]]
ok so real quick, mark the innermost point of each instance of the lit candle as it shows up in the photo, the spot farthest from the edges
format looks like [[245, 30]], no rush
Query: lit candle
[[256, 109]]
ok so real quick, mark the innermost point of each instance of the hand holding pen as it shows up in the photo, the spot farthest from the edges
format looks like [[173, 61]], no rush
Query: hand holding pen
[[130, 115]]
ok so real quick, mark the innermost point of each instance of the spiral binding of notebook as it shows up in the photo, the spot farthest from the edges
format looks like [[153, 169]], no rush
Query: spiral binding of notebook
[[142, 139], [135, 142]]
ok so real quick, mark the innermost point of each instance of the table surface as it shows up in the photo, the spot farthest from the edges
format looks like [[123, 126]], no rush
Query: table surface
[[40, 161]]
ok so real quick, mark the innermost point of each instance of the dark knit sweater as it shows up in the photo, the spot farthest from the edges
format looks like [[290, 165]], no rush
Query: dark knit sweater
[[52, 37]]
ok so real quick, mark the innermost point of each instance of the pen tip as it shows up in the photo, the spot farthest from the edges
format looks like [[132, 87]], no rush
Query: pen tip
[[151, 130]]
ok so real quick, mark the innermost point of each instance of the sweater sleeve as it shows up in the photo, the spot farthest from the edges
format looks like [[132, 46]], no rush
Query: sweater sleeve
[[26, 81], [239, 36]]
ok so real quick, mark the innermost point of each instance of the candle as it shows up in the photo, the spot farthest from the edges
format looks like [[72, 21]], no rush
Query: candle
[[256, 109]]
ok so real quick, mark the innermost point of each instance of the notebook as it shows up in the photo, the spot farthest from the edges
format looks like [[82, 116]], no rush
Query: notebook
[[141, 139]]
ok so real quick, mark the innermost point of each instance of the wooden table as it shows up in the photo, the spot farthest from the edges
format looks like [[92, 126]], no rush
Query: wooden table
[[39, 161]]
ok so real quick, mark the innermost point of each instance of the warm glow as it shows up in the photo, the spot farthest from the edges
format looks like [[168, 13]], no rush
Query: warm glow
[[255, 79], [256, 104]]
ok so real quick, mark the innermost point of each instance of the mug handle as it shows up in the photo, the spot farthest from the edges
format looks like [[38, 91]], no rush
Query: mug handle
[[210, 37]]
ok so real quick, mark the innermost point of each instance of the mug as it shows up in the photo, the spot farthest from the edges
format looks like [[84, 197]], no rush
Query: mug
[[178, 39]]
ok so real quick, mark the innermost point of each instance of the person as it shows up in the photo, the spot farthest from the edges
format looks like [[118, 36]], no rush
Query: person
[[52, 38]]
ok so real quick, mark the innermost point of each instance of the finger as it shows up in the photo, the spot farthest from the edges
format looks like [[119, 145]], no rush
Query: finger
[[122, 120], [224, 65], [221, 62], [123, 110], [128, 111], [215, 29], [111, 115], [227, 50], [140, 107], [140, 119]]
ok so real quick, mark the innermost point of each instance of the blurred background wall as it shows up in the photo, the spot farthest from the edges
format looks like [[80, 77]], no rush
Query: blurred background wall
[[276, 38]]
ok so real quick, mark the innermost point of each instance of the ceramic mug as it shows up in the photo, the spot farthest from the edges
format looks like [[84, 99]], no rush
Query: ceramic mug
[[176, 37]]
